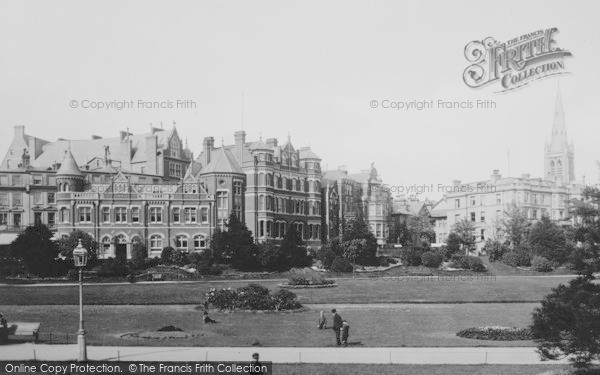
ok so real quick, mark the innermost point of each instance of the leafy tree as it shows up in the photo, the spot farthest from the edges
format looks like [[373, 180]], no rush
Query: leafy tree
[[166, 255], [403, 235], [357, 229], [465, 230], [514, 225], [139, 254], [587, 230], [235, 243], [67, 244], [568, 322], [293, 249], [270, 256], [452, 245], [420, 228], [548, 240], [329, 251], [35, 247]]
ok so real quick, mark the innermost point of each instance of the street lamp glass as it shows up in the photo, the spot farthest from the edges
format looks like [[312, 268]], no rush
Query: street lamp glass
[[80, 255]]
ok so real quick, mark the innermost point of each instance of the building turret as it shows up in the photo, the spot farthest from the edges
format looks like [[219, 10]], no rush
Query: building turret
[[68, 176]]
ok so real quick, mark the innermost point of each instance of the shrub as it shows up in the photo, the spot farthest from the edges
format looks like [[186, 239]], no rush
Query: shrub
[[284, 299], [541, 264], [224, 299], [110, 268], [306, 276], [165, 255], [131, 278], [496, 333], [494, 249], [411, 256], [341, 264], [431, 259], [151, 262], [254, 297], [326, 256], [468, 262], [517, 258]]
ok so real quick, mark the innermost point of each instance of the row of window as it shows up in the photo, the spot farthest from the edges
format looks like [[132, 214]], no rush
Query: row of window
[[289, 206], [132, 215], [17, 198], [292, 184], [22, 180], [525, 197], [278, 229], [157, 243]]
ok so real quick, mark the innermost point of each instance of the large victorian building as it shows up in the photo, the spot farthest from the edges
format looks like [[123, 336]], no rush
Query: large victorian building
[[347, 196], [282, 185]]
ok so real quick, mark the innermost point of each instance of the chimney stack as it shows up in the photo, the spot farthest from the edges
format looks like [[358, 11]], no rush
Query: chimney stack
[[272, 142], [496, 175], [151, 157], [240, 140], [207, 147]]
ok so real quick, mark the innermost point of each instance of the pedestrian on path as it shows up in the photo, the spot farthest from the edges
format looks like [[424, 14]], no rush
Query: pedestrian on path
[[256, 366], [337, 325]]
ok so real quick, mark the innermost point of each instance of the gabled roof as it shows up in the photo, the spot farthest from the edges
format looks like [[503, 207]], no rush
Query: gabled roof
[[68, 166], [288, 146], [306, 153], [335, 174], [222, 161], [259, 145]]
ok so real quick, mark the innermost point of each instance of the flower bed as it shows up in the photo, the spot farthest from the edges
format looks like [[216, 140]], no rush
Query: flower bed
[[252, 297], [496, 333], [307, 286]]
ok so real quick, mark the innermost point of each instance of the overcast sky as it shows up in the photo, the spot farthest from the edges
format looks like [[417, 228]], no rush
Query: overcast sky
[[307, 68]]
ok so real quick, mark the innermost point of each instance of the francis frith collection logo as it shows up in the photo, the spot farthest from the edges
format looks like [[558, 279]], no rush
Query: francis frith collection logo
[[514, 63]]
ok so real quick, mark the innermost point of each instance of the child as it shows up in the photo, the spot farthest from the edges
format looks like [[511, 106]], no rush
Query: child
[[345, 332], [322, 321], [207, 319]]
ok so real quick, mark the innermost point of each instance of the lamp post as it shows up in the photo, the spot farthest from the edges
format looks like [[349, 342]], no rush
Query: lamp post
[[80, 259]]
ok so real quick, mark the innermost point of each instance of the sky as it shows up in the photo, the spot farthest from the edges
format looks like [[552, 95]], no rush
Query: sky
[[307, 69]]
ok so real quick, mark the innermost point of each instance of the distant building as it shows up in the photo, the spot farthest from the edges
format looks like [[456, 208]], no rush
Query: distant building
[[348, 195], [484, 202]]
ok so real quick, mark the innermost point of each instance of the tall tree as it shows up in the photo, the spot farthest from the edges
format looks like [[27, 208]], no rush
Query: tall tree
[[357, 229], [238, 241], [421, 229], [548, 240], [66, 245], [587, 228], [465, 231], [568, 322], [35, 247], [293, 249], [514, 225]]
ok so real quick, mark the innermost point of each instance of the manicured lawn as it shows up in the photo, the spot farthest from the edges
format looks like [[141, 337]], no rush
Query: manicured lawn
[[374, 325], [366, 290], [351, 369]]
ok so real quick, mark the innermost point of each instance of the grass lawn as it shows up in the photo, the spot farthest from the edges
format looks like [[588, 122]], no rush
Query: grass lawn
[[376, 325], [366, 290], [352, 369]]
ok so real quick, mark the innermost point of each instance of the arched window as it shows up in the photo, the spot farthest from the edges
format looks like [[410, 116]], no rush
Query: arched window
[[261, 179], [181, 242], [135, 240], [121, 238], [156, 242], [199, 242], [261, 202], [105, 248]]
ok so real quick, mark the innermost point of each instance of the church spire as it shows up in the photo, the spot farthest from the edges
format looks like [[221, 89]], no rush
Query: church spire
[[559, 130]]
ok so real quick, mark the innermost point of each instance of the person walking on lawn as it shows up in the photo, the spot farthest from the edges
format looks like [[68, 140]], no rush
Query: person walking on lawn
[[337, 325]]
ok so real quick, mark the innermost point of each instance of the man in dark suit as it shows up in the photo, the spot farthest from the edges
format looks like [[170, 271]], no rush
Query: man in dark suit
[[337, 325]]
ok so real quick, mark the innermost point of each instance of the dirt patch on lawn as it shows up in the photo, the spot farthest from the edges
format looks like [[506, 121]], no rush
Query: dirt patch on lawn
[[172, 335]]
